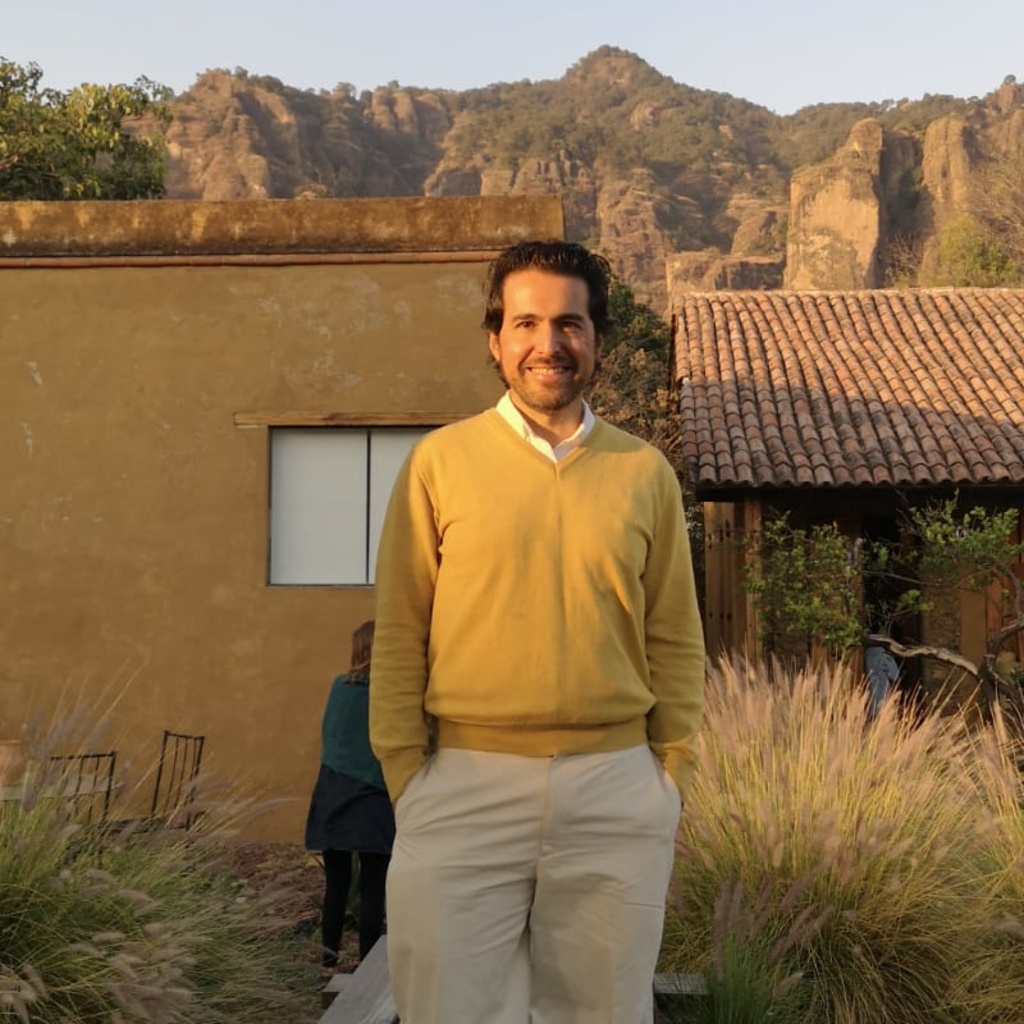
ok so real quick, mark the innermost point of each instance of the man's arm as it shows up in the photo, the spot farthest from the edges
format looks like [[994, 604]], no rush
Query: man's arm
[[407, 562], [675, 641]]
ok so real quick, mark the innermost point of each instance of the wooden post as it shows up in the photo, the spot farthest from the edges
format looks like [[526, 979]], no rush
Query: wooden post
[[753, 513]]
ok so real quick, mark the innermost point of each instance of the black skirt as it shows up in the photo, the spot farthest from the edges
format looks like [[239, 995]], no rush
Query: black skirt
[[349, 814]]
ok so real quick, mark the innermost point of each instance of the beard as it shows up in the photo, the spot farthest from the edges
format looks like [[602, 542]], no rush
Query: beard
[[547, 399], [543, 398]]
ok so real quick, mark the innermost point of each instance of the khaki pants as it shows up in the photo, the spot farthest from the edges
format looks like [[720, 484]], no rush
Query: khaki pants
[[530, 890]]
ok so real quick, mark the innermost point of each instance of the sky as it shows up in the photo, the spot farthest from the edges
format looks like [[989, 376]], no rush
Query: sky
[[784, 54]]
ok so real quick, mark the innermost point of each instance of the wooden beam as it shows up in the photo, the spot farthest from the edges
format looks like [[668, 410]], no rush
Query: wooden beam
[[334, 987], [299, 418], [366, 999], [680, 985], [270, 259], [753, 516]]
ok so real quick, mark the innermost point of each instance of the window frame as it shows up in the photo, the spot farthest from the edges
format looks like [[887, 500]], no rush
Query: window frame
[[366, 424]]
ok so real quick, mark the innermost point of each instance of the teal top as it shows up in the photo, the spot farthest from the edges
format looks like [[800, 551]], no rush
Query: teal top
[[346, 732]]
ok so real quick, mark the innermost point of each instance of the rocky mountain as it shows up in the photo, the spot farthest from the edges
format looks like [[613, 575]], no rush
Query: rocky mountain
[[648, 168], [880, 210]]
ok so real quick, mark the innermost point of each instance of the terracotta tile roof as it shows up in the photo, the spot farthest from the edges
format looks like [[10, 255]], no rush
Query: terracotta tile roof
[[840, 389]]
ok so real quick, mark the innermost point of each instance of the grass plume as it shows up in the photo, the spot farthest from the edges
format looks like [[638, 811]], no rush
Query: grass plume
[[139, 922], [885, 856]]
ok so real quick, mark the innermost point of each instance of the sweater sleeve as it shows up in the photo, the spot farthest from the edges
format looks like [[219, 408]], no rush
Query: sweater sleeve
[[407, 562], [674, 639]]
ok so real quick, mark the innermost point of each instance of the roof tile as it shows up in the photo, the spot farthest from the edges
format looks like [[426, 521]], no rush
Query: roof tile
[[834, 389]]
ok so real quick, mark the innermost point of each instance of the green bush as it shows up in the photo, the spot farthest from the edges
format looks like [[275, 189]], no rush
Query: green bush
[[969, 256], [803, 581], [138, 924], [882, 858]]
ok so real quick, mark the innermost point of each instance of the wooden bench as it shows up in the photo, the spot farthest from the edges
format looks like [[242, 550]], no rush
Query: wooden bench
[[365, 996]]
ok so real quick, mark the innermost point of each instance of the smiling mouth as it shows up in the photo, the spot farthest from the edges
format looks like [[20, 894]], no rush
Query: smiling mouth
[[549, 371]]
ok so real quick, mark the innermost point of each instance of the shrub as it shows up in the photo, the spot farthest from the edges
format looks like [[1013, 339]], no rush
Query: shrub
[[990, 985], [141, 924], [971, 257], [803, 581], [881, 853]]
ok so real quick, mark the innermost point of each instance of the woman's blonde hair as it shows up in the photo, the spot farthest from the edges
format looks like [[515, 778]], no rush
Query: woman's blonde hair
[[362, 647]]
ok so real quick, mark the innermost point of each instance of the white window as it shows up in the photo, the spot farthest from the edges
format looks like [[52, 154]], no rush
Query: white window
[[329, 489]]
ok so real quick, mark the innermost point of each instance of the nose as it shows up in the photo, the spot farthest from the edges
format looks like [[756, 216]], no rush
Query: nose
[[547, 338]]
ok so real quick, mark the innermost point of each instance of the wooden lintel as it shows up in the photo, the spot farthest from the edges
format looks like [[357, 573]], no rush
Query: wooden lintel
[[273, 259], [347, 419]]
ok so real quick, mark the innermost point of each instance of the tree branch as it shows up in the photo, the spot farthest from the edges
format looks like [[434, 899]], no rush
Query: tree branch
[[942, 654]]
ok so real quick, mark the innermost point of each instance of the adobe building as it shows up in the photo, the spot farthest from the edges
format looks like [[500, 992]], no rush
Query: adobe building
[[202, 408]]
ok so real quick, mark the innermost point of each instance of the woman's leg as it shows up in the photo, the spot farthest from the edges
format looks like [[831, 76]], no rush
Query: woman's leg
[[337, 879], [373, 870]]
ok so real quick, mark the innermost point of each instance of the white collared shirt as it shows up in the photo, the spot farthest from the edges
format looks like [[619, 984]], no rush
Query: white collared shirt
[[515, 419]]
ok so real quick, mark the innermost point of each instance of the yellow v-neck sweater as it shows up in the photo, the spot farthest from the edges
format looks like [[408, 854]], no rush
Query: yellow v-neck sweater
[[534, 607]]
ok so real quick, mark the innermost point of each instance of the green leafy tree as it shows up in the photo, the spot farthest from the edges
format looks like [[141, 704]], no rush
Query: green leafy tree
[[92, 142], [806, 584], [998, 198], [636, 324], [972, 551], [969, 256], [631, 389]]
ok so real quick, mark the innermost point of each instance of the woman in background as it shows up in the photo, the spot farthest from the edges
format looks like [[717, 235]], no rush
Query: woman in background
[[350, 811]]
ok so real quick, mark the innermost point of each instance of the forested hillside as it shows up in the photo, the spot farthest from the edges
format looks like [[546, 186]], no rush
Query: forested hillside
[[648, 167]]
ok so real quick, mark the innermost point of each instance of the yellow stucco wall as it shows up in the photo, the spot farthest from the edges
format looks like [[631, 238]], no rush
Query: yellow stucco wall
[[134, 511]]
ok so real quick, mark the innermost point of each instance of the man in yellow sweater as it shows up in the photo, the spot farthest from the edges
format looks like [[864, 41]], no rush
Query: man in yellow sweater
[[535, 601]]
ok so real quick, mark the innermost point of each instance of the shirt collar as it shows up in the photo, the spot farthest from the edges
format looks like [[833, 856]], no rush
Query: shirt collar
[[508, 411]]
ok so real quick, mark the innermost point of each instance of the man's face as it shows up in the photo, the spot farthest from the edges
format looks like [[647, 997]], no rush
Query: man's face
[[546, 350]]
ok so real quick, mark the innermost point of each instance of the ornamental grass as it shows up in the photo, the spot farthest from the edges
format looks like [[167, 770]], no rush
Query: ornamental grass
[[838, 870], [141, 922]]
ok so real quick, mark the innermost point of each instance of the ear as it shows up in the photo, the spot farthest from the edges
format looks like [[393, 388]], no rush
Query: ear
[[494, 345]]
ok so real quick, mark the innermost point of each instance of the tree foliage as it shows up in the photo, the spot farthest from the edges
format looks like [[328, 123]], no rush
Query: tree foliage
[[92, 142], [636, 324], [998, 199], [805, 582], [631, 389], [806, 585], [970, 256]]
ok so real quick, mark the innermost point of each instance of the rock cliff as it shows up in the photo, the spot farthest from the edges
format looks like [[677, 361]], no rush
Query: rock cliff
[[874, 213], [836, 225], [648, 168]]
